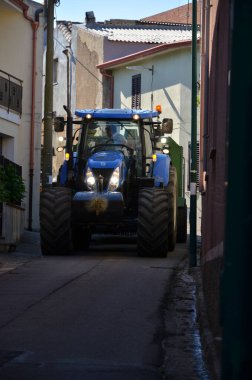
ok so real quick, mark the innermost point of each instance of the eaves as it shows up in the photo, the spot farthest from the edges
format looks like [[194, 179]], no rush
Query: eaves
[[144, 53], [19, 4]]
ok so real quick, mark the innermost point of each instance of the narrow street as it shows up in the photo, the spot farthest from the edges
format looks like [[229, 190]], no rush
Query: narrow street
[[97, 315]]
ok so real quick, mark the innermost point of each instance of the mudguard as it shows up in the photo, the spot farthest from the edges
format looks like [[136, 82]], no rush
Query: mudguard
[[161, 170], [63, 173]]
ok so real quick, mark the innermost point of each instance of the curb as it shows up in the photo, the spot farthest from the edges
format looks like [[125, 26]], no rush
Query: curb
[[14, 255], [211, 352], [182, 357]]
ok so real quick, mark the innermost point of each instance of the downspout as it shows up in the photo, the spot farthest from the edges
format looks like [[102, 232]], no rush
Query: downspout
[[202, 90], [204, 130], [193, 163], [34, 25], [111, 78]]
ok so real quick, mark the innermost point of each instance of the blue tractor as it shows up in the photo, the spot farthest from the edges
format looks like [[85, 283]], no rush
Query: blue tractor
[[113, 180]]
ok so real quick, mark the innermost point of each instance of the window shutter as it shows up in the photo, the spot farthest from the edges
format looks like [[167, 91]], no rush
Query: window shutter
[[4, 91], [197, 164], [10, 95], [136, 91]]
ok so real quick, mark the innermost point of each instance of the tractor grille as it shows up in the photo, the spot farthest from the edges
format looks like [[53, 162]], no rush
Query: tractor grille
[[105, 173]]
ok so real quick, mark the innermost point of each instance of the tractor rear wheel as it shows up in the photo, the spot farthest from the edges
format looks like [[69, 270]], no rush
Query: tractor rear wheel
[[172, 208], [55, 221], [152, 232]]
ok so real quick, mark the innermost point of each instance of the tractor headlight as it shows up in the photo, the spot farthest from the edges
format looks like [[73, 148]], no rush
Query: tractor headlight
[[165, 149], [90, 179], [114, 180]]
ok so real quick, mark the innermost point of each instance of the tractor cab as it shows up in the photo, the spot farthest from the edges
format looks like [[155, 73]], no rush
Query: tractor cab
[[108, 133]]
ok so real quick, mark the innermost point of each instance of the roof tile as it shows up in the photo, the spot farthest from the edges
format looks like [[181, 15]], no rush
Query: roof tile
[[166, 27], [142, 33]]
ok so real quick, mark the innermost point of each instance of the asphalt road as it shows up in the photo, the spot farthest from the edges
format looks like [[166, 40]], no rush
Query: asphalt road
[[87, 316]]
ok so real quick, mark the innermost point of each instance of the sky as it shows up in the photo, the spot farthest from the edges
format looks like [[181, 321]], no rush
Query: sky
[[74, 10]]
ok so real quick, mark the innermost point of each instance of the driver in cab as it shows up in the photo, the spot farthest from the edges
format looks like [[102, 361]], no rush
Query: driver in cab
[[114, 136]]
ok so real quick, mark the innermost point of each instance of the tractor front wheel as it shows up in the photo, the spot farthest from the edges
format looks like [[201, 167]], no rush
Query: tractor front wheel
[[55, 221], [152, 232]]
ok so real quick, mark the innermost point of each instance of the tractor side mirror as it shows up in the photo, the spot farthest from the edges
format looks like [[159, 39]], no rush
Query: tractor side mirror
[[167, 125], [59, 124]]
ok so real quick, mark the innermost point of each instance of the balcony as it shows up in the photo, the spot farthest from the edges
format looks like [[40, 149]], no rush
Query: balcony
[[10, 92]]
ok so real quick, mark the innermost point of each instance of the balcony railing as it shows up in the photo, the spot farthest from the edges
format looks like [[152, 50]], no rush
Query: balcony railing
[[10, 92]]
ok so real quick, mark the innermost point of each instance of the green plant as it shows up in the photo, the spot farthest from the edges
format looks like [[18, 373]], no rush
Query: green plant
[[3, 192], [12, 188], [198, 100]]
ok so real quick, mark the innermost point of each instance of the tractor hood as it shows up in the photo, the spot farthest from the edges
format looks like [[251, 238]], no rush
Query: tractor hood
[[106, 160]]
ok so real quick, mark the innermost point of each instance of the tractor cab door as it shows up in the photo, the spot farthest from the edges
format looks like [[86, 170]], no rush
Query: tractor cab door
[[147, 151]]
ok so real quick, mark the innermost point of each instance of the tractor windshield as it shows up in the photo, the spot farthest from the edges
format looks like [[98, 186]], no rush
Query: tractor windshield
[[113, 132]]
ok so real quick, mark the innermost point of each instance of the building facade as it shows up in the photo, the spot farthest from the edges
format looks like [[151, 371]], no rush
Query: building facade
[[159, 76], [21, 71], [225, 183], [91, 44]]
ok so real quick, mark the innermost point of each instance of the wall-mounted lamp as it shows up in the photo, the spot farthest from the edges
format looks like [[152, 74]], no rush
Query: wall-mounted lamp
[[140, 68]]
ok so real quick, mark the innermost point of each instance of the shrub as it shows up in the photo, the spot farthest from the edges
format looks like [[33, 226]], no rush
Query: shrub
[[12, 188]]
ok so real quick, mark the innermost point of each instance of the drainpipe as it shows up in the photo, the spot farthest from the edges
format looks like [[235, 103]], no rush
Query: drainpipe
[[193, 164], [34, 25], [111, 78], [202, 88], [205, 89]]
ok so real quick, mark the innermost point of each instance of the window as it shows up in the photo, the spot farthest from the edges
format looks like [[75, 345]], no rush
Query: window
[[136, 91], [11, 93], [55, 70], [148, 149], [189, 165], [15, 97], [4, 91]]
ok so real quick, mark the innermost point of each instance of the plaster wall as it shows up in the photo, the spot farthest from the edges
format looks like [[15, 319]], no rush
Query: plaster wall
[[216, 132], [117, 49], [89, 80], [60, 82], [15, 129]]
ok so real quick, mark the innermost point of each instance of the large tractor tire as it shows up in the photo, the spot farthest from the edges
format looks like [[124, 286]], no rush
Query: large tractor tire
[[182, 224], [172, 208], [81, 238], [55, 221], [152, 232]]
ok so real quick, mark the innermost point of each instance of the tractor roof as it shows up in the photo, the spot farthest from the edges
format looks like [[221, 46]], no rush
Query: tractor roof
[[108, 113]]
